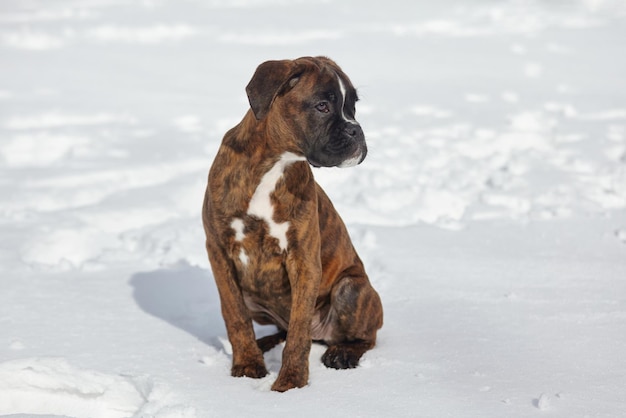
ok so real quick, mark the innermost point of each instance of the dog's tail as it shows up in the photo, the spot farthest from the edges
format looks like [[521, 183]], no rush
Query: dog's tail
[[270, 341]]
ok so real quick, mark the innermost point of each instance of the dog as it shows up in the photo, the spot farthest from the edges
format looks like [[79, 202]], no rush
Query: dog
[[279, 251]]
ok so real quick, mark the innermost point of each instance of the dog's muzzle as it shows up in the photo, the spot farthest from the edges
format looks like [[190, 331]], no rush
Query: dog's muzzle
[[346, 148], [353, 134]]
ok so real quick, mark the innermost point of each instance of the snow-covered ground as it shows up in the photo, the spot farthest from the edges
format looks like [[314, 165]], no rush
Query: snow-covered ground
[[490, 211]]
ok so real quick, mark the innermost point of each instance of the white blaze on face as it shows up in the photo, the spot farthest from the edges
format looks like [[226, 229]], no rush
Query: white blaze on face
[[356, 159], [342, 89], [261, 203]]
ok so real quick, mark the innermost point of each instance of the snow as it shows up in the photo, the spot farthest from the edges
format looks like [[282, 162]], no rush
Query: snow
[[490, 211], [47, 385]]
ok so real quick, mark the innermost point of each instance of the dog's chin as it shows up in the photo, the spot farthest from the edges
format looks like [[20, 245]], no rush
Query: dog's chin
[[345, 158], [326, 163], [322, 160], [314, 163], [350, 161]]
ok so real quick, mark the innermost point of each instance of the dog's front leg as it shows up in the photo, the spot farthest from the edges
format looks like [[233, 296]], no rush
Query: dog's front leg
[[247, 356], [305, 273]]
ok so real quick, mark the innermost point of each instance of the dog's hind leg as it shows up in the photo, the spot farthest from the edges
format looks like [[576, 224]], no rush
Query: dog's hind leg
[[356, 315], [270, 341]]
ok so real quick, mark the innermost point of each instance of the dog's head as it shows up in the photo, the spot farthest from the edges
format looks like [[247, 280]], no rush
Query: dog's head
[[311, 101]]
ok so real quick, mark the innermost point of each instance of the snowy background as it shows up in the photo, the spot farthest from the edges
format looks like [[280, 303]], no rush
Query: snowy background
[[490, 211]]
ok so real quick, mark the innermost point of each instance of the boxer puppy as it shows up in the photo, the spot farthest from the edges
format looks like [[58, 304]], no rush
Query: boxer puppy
[[279, 251]]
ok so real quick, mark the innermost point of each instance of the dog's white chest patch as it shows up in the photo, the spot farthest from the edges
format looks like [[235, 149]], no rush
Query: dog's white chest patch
[[261, 203]]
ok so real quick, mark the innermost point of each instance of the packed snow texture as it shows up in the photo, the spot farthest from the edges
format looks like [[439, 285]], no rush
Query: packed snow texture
[[52, 386], [490, 211]]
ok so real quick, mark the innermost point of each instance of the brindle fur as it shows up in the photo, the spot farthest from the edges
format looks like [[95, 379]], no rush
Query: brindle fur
[[317, 288]]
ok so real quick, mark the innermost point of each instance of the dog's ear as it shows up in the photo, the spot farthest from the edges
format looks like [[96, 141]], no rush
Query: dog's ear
[[269, 80]]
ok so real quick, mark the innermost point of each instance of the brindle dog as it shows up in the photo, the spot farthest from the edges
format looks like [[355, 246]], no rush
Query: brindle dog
[[279, 251]]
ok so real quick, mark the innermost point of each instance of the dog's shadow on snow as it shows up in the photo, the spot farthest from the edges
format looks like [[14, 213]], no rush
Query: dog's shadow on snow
[[185, 297]]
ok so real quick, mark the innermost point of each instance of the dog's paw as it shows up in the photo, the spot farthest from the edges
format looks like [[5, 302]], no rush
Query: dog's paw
[[342, 356], [255, 371], [288, 381], [283, 385]]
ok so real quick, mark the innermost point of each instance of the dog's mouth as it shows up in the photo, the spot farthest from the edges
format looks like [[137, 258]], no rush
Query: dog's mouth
[[355, 160], [331, 161], [345, 149], [323, 161]]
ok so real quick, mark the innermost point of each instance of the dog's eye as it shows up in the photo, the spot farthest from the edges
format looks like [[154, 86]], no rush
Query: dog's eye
[[322, 107]]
